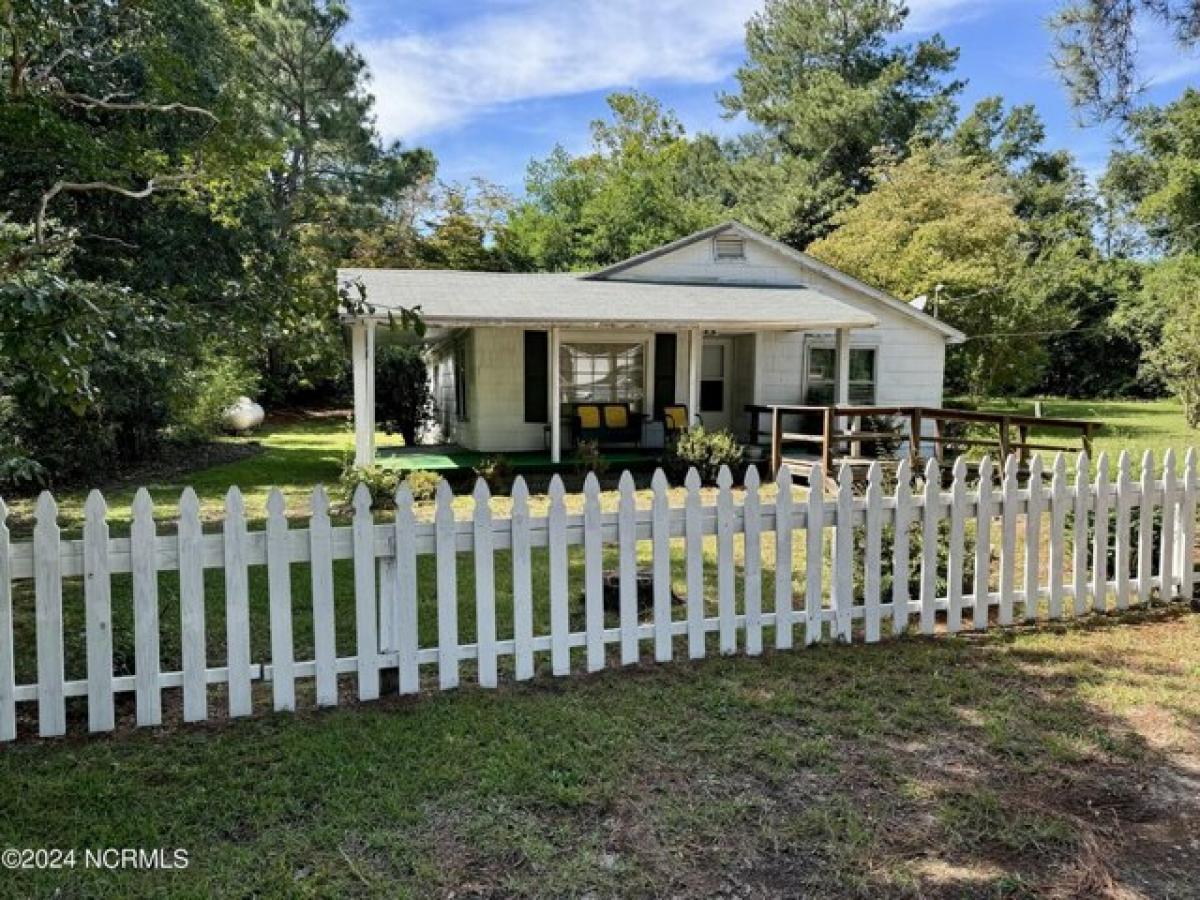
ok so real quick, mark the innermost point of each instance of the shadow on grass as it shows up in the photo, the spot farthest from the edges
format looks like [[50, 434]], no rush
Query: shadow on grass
[[1018, 763]]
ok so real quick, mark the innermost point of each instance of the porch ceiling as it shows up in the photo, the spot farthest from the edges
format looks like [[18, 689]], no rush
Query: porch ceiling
[[458, 299]]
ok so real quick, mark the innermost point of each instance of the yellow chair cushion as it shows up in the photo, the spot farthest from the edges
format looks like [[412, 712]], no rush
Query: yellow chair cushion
[[616, 417], [675, 417], [589, 416]]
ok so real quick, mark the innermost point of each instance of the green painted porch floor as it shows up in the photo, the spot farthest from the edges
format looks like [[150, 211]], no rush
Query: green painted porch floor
[[450, 458]]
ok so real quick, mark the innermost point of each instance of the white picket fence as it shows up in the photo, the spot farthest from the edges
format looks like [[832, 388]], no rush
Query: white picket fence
[[386, 585]]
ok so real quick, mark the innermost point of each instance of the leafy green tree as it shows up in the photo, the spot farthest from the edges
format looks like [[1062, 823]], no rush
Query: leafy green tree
[[941, 218], [830, 87], [1096, 52], [644, 184]]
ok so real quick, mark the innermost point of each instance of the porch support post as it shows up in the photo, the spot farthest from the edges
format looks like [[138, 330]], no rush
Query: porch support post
[[554, 406], [841, 395], [695, 348], [362, 351]]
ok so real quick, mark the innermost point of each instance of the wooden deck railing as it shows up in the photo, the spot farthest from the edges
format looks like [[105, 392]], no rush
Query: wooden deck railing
[[840, 428]]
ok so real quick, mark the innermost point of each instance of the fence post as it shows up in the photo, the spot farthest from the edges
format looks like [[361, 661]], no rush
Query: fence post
[[1145, 567], [593, 574], [8, 677], [522, 580], [1079, 536], [725, 570], [694, 564], [814, 557], [827, 428], [366, 626], [660, 512], [405, 621], [843, 555], [1100, 536], [1166, 559], [97, 598], [776, 441], [873, 563], [320, 548], [237, 605], [914, 438], [784, 561], [52, 710], [983, 546], [1187, 530], [279, 587], [1033, 547], [1124, 538], [560, 651], [956, 552], [445, 546], [485, 586], [752, 569], [627, 540], [1058, 497], [1008, 540], [191, 608], [144, 562], [900, 548], [929, 545]]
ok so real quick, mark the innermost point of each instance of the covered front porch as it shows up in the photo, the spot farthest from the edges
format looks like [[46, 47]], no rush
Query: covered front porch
[[717, 376]]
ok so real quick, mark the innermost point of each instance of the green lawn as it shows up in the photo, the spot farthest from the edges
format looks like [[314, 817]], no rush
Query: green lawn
[[1024, 763]]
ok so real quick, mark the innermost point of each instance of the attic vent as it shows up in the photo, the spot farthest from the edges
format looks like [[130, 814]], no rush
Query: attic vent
[[728, 247]]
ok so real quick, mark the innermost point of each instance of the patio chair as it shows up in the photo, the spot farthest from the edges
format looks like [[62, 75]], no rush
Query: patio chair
[[676, 420]]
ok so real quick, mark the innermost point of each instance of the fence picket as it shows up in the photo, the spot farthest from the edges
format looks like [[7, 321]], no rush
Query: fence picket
[[784, 559], [1008, 540], [320, 545], [660, 512], [694, 541], [983, 547], [8, 670], [560, 625], [1166, 559], [725, 586], [279, 590], [366, 622], [447, 587], [406, 637], [901, 555], [593, 574], [1187, 528], [522, 581], [1124, 537], [485, 586], [627, 565], [956, 552], [814, 557], [752, 565], [1100, 535], [1145, 561], [1079, 535], [872, 563], [1058, 509], [237, 605], [144, 562], [929, 545], [52, 710], [193, 647], [97, 599], [843, 555], [1033, 536]]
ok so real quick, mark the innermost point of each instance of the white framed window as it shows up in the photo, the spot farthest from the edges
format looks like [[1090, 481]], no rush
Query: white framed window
[[729, 248], [820, 383], [603, 372]]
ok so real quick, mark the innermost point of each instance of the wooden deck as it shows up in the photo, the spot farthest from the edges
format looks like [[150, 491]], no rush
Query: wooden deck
[[859, 436]]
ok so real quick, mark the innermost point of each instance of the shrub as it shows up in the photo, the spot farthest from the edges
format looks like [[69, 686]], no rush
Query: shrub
[[707, 451], [497, 471], [202, 395], [588, 458], [380, 482], [422, 484], [403, 395]]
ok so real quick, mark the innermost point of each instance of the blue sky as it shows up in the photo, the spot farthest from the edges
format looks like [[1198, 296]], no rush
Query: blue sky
[[489, 85]]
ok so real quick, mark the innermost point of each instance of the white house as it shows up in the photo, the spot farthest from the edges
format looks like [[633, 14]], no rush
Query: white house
[[720, 320]]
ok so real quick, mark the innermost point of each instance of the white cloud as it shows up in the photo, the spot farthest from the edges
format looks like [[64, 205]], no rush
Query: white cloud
[[530, 49], [930, 15]]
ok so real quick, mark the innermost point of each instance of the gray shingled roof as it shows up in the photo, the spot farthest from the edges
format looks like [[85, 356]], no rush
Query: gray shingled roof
[[450, 298]]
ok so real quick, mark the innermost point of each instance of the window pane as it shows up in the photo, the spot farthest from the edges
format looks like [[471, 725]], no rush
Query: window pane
[[712, 396], [862, 393], [819, 394], [712, 362], [862, 365], [821, 363], [602, 373]]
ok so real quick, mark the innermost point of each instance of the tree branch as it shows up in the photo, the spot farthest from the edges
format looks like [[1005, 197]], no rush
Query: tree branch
[[83, 101], [80, 187]]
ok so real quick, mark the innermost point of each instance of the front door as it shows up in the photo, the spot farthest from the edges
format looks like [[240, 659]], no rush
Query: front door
[[716, 377]]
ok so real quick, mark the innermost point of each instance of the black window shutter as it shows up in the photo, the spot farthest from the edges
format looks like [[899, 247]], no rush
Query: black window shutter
[[537, 376], [665, 348]]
